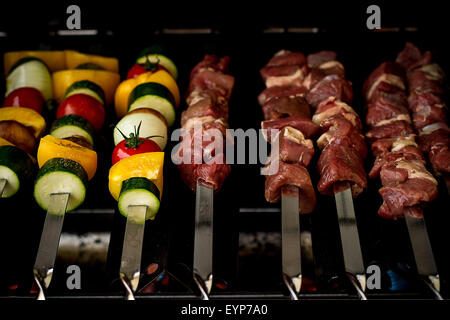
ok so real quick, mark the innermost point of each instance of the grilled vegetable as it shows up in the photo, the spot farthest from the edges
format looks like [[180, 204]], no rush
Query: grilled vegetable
[[73, 125], [107, 80], [30, 72], [19, 135], [55, 60], [139, 69], [147, 165], [153, 124], [86, 87], [157, 54], [26, 97], [53, 147], [139, 191], [126, 87], [154, 96], [59, 175], [74, 59], [25, 116], [133, 145], [16, 167], [85, 106]]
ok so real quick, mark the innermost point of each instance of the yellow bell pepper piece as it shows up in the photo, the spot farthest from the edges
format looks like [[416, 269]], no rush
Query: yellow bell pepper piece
[[124, 89], [148, 165], [75, 58], [53, 147], [25, 116], [55, 60], [107, 80]]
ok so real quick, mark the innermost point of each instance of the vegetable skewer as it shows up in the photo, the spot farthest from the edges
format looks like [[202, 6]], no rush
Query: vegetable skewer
[[67, 162], [146, 103]]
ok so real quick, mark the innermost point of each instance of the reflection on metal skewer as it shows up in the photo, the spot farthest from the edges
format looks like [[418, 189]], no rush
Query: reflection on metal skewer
[[354, 265], [290, 234], [447, 183], [130, 264], [423, 254], [203, 239], [48, 246], [3, 183]]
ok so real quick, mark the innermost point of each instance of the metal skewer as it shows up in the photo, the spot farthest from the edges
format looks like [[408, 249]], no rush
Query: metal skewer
[[423, 254], [3, 183], [447, 182], [48, 246], [290, 235], [203, 239], [130, 264], [353, 261]]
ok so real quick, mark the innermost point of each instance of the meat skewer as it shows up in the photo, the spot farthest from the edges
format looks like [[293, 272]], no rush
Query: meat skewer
[[407, 185], [343, 150], [285, 109], [426, 85], [203, 168]]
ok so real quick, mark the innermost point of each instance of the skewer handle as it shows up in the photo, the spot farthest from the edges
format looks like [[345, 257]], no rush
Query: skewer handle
[[3, 183], [290, 235]]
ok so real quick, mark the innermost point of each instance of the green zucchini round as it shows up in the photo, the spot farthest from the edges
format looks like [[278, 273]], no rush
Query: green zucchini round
[[16, 167], [86, 87], [139, 191], [73, 125], [154, 96], [59, 175], [155, 53]]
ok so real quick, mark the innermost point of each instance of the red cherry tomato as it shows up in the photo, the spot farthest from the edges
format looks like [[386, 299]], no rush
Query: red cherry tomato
[[84, 106], [121, 151], [26, 97], [139, 69]]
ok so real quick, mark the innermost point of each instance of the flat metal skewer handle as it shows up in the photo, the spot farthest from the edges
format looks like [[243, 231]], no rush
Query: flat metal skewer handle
[[423, 254], [48, 246], [203, 239], [3, 183], [351, 247], [290, 235], [130, 264]]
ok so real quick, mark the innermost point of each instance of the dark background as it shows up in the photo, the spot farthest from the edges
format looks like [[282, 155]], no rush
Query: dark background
[[237, 30]]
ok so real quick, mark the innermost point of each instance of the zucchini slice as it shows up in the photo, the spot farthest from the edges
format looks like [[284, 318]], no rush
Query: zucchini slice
[[59, 175], [154, 96], [157, 53], [73, 125], [30, 72], [139, 191], [16, 167], [86, 87]]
